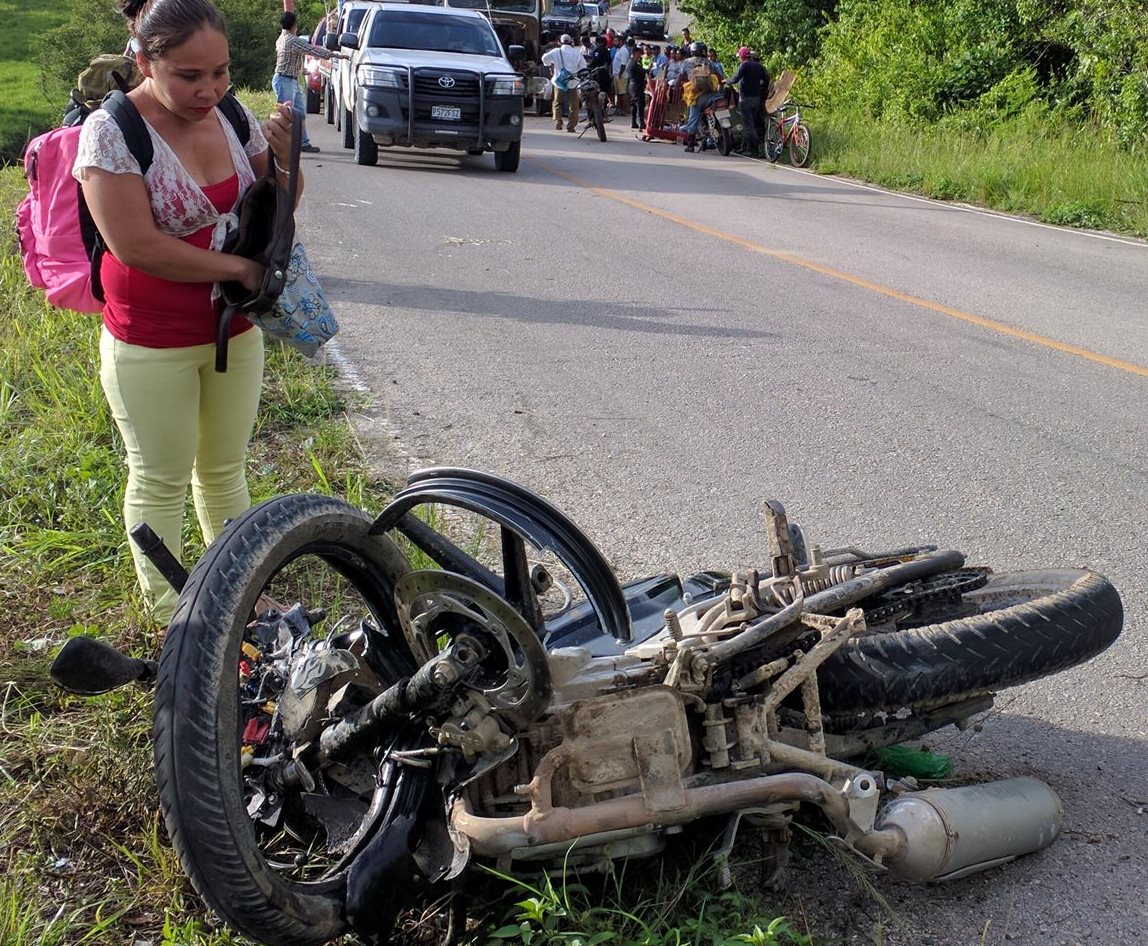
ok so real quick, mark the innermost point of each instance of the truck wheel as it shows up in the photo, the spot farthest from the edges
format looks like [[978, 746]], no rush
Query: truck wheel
[[348, 129], [366, 151], [330, 109], [541, 106], [312, 101], [508, 160]]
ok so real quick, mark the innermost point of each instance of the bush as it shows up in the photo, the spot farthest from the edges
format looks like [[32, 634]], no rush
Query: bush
[[95, 26]]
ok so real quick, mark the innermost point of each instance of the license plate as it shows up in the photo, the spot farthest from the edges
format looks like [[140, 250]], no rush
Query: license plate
[[722, 114], [450, 113]]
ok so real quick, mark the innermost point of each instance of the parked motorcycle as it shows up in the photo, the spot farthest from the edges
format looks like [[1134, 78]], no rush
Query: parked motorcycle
[[353, 709], [715, 130], [593, 98]]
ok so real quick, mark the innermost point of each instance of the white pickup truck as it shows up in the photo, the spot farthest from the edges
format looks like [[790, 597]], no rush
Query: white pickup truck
[[430, 77]]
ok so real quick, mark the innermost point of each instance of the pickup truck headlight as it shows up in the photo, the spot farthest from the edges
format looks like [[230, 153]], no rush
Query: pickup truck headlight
[[378, 76], [507, 85]]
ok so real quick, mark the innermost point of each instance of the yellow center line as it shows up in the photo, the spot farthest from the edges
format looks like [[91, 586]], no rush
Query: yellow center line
[[969, 317]]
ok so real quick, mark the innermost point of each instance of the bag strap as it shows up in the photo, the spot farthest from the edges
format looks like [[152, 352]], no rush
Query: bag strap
[[285, 198]]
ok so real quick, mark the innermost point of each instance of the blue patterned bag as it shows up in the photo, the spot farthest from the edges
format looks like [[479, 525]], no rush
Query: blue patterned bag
[[301, 316]]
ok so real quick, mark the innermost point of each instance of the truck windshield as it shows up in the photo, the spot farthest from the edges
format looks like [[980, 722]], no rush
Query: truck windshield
[[408, 29], [568, 7], [497, 6], [646, 6]]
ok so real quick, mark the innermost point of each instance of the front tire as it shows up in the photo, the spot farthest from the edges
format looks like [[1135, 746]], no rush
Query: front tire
[[1024, 626], [598, 118], [366, 150], [507, 161], [317, 548], [330, 105], [312, 101], [800, 146]]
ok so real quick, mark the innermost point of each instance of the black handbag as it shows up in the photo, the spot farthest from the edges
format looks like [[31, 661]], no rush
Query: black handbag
[[266, 234]]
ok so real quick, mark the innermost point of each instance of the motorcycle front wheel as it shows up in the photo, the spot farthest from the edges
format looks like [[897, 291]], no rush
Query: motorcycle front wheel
[[272, 860], [1017, 628], [599, 118]]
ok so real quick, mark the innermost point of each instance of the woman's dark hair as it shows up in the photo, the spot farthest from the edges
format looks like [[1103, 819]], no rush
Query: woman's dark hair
[[160, 25]]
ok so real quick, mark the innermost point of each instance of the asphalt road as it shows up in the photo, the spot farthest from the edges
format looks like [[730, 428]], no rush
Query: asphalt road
[[658, 341]]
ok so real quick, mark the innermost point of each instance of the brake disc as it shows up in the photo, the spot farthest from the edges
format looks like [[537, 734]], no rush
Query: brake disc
[[436, 606]]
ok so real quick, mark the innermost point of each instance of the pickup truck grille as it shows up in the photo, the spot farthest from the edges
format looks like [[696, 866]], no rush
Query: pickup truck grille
[[428, 86], [460, 90]]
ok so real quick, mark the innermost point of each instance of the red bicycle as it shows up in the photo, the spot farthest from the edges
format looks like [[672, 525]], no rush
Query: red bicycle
[[785, 129]]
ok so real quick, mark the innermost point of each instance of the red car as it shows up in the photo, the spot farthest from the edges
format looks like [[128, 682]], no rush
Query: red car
[[316, 74]]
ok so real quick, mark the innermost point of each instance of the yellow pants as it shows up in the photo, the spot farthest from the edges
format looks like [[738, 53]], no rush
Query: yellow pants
[[181, 422]]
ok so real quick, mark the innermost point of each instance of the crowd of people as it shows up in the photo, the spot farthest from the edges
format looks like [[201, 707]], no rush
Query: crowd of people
[[688, 77]]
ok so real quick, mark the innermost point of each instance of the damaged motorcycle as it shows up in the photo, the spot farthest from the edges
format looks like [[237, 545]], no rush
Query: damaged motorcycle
[[352, 710]]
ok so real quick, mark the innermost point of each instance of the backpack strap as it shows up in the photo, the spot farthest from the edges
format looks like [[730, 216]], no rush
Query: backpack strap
[[131, 123], [236, 116]]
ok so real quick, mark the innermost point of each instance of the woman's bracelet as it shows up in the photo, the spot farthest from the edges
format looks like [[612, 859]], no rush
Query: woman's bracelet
[[279, 167]]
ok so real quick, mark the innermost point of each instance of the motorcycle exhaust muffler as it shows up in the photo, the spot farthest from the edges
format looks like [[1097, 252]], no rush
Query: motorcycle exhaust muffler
[[953, 832]]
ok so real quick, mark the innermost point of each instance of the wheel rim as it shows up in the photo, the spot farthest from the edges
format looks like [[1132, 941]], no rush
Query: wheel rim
[[307, 832], [799, 146]]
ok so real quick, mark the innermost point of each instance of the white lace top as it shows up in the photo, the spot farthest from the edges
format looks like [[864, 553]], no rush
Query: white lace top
[[177, 201]]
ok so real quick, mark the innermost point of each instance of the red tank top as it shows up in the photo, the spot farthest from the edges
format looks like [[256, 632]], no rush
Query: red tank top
[[142, 309]]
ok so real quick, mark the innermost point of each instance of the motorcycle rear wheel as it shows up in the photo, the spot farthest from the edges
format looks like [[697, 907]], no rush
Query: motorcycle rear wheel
[[1026, 625], [309, 546]]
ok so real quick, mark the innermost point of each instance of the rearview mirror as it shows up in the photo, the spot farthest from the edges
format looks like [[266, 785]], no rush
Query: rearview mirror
[[350, 40]]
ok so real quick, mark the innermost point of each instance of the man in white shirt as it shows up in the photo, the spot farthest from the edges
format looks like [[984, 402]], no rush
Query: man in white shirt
[[565, 60], [622, 73]]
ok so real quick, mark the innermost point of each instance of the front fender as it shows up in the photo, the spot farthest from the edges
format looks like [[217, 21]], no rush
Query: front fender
[[529, 516]]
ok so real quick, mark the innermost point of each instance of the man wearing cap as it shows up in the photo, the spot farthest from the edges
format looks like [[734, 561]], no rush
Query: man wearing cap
[[754, 86], [290, 50], [565, 61]]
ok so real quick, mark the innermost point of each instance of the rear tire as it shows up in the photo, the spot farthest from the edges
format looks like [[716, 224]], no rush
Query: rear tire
[[330, 105], [724, 141], [1028, 625], [348, 129], [199, 717], [773, 141], [313, 101], [366, 150], [508, 160], [800, 146]]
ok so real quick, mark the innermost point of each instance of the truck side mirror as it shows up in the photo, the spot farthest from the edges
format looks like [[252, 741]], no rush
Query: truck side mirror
[[516, 54], [331, 41], [350, 40]]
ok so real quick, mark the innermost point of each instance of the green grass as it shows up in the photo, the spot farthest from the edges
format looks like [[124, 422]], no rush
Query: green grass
[[25, 110], [1059, 173]]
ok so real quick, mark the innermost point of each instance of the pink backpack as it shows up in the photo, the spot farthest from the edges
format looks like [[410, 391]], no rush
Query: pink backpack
[[59, 242], [49, 224]]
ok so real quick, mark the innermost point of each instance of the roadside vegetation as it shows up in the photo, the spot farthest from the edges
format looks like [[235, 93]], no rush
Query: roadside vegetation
[[1027, 106]]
